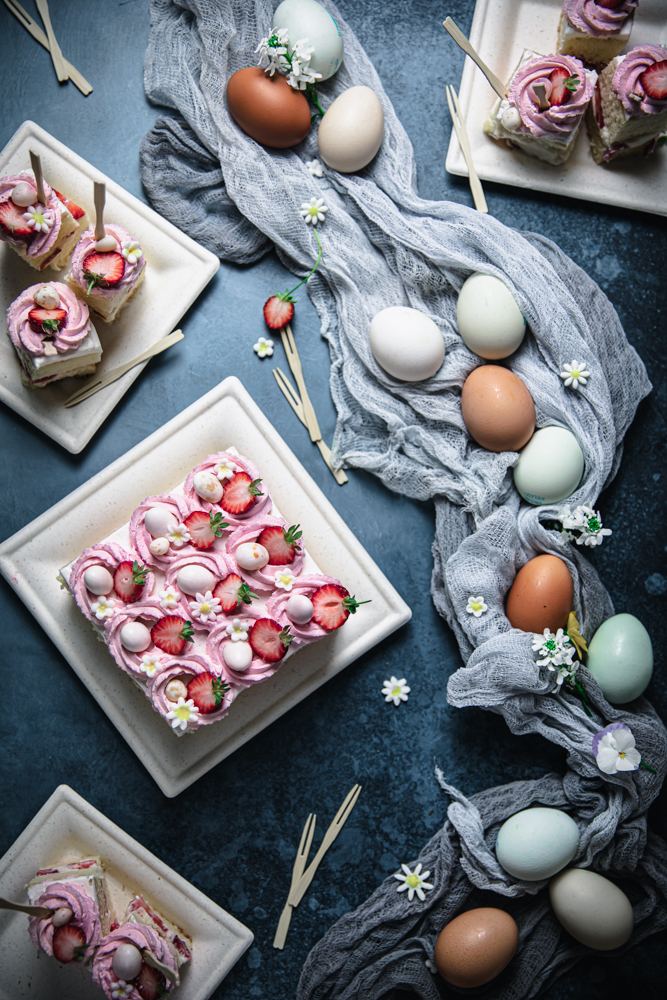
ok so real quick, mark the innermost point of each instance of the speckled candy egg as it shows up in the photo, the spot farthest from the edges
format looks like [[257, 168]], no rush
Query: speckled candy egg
[[207, 486], [158, 521], [406, 343], [195, 579], [299, 609], [550, 467], [310, 20], [251, 555], [476, 946], [237, 655], [489, 320], [47, 297], [135, 637], [98, 580], [592, 909], [351, 131], [497, 408], [267, 108], [620, 657], [175, 689], [536, 843], [159, 546], [541, 595]]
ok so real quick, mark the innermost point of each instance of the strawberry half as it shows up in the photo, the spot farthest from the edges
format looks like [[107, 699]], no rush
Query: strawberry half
[[129, 580], [204, 528], [278, 310], [654, 81], [332, 606], [12, 221], [562, 86], [280, 543], [609, 4], [47, 320], [171, 633], [103, 269], [150, 984], [75, 210], [69, 943], [232, 591], [207, 691], [268, 640], [240, 494]]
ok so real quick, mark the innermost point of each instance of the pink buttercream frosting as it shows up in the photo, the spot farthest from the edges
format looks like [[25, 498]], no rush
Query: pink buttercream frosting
[[262, 579], [627, 81], [259, 669], [185, 668], [109, 555], [141, 538], [217, 563], [556, 122], [22, 335], [243, 465], [39, 243], [86, 245], [276, 607], [147, 613], [590, 19], [85, 916], [141, 937]]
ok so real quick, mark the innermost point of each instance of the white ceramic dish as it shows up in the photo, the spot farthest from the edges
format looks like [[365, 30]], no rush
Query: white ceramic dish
[[501, 30], [178, 269], [67, 828], [31, 560]]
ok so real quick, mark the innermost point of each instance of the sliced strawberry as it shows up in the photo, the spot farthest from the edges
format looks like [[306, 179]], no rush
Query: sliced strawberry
[[654, 81], [278, 311], [204, 528], [609, 4], [103, 269], [281, 544], [47, 320], [171, 633], [12, 221], [75, 210], [332, 606], [562, 86], [69, 943], [150, 984], [129, 580], [268, 640], [240, 494], [232, 591], [207, 691]]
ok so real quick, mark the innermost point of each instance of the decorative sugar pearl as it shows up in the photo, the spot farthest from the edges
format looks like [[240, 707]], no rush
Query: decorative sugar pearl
[[135, 637], [61, 916], [127, 962], [195, 579], [24, 195], [47, 297], [106, 244], [299, 609], [237, 655], [158, 521], [159, 546], [98, 580], [207, 486], [175, 689], [251, 555]]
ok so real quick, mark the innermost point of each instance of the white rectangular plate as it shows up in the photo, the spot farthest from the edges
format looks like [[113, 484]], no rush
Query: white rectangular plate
[[31, 560], [177, 269], [67, 828], [501, 30]]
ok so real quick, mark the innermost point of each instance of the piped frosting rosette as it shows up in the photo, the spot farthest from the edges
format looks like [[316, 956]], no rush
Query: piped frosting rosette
[[258, 670], [143, 938], [40, 242], [135, 662], [557, 121], [262, 579], [85, 916], [276, 607], [224, 465], [590, 18], [109, 555], [627, 83], [184, 668], [86, 246], [169, 506], [213, 562], [74, 330]]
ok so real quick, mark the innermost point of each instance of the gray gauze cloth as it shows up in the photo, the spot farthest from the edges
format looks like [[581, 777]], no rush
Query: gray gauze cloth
[[383, 245]]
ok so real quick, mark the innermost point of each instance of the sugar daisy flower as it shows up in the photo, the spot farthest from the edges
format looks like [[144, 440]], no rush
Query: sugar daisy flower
[[131, 251], [476, 606], [205, 607], [169, 598], [183, 713], [178, 535], [39, 219], [314, 211], [225, 469], [103, 608], [575, 374], [121, 990], [284, 579], [238, 630], [415, 882], [150, 664], [395, 690], [315, 168]]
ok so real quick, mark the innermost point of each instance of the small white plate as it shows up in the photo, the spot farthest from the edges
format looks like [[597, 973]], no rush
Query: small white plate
[[501, 30], [32, 558], [177, 270], [67, 828]]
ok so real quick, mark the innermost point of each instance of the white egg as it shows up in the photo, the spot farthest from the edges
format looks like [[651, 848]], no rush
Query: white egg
[[511, 119], [237, 655], [195, 579], [24, 195], [592, 908], [550, 466], [308, 19], [175, 689], [61, 916], [127, 961], [47, 297], [536, 843], [488, 318], [107, 244], [207, 486], [159, 546], [251, 555], [299, 609], [135, 637], [98, 580], [158, 521], [406, 343], [352, 130]]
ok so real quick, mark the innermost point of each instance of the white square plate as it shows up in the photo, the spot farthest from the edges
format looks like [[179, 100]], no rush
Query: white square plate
[[31, 559], [501, 30], [67, 828], [177, 269]]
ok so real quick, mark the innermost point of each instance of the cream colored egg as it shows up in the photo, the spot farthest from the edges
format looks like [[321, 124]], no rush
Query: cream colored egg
[[158, 521], [98, 580], [135, 637], [550, 467], [175, 689], [237, 655], [489, 320], [351, 131], [307, 19], [251, 555], [592, 908], [207, 486], [299, 609], [195, 579], [159, 546], [406, 343]]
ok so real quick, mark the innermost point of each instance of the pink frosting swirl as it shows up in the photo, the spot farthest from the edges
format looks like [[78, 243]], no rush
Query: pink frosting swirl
[[38, 243], [109, 555], [306, 585], [86, 245], [259, 669], [150, 612], [627, 80], [557, 121], [590, 18], [217, 563], [141, 937], [184, 668], [243, 465], [141, 538], [22, 335], [85, 916], [262, 579]]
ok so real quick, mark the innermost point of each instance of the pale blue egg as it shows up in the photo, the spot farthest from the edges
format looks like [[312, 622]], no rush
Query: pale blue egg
[[620, 657], [536, 843], [550, 466], [308, 19]]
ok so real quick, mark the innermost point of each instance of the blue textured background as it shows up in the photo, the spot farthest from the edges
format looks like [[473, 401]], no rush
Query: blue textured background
[[233, 834]]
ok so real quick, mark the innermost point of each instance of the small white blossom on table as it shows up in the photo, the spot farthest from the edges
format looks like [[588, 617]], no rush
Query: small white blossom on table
[[184, 712], [415, 882], [104, 608], [169, 598], [575, 375], [476, 606], [150, 664], [313, 211], [178, 535], [315, 168], [263, 348], [587, 524], [395, 690]]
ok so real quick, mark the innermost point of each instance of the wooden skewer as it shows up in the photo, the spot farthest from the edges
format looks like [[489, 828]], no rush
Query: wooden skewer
[[32, 911], [464, 44], [292, 397], [100, 198], [336, 826], [541, 94], [295, 364], [36, 164], [54, 48], [464, 142], [31, 26], [297, 872]]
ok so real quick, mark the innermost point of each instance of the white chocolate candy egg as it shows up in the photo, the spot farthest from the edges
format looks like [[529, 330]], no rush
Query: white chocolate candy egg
[[195, 580], [47, 297], [24, 195], [158, 521], [135, 637], [237, 655], [61, 916], [98, 580], [176, 689], [352, 130], [127, 961], [310, 20], [510, 119], [107, 244], [550, 466], [489, 320], [207, 486], [251, 555], [159, 546], [299, 609], [406, 343], [592, 908]]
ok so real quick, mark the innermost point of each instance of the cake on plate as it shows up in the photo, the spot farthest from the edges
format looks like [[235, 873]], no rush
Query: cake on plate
[[43, 234], [76, 894], [595, 30], [106, 273]]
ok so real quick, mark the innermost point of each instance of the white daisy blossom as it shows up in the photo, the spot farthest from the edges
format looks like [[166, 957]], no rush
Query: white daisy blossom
[[415, 882], [396, 690], [575, 374], [104, 608], [169, 598], [184, 712], [314, 210], [556, 650], [616, 752], [178, 535], [238, 630], [131, 251], [315, 167], [284, 579], [587, 522], [205, 607], [225, 470], [150, 664], [476, 606], [38, 219], [121, 990], [263, 348]]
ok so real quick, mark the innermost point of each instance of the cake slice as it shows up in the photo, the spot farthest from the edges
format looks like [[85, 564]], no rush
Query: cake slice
[[595, 30], [628, 113], [76, 894], [42, 234], [106, 273]]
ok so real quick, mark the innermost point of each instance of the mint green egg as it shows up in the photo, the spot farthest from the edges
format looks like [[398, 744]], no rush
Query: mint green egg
[[620, 657], [536, 843]]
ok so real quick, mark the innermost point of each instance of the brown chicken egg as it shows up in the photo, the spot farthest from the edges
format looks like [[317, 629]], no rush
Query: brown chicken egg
[[476, 946], [497, 409], [541, 596], [267, 108]]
